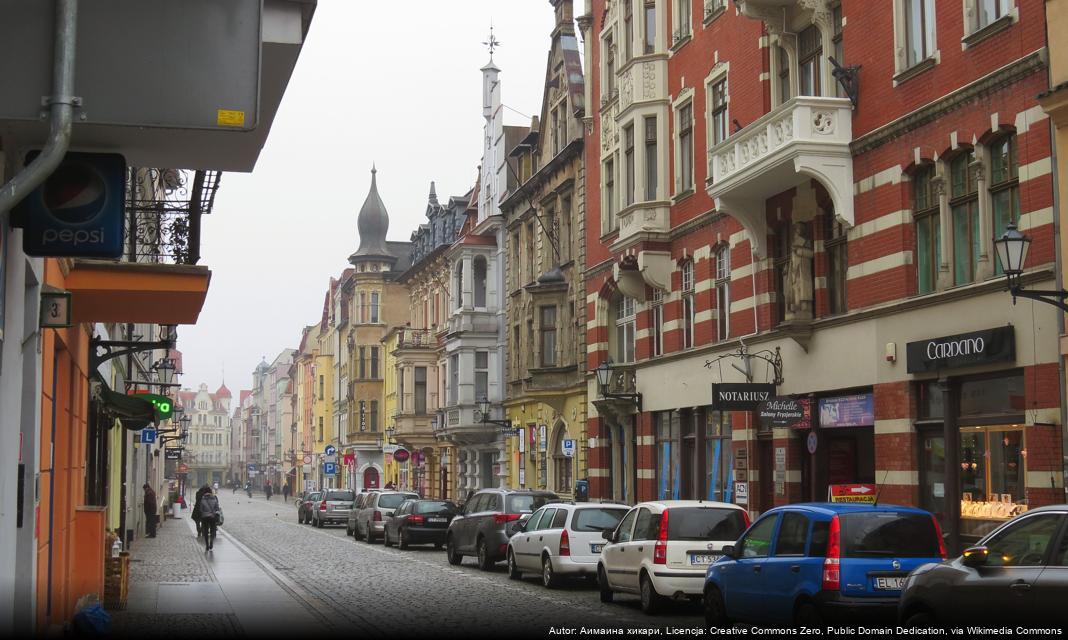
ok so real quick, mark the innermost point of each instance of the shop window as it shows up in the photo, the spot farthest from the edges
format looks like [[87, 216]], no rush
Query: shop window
[[1004, 187], [810, 50], [718, 457], [929, 403], [925, 214], [964, 212], [723, 292], [993, 477]]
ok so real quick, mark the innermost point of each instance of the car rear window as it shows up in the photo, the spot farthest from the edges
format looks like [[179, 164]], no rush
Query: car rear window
[[527, 503], [589, 520], [393, 500], [437, 506], [344, 496], [888, 534], [705, 523]]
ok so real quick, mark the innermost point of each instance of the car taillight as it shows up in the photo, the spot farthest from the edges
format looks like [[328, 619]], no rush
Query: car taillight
[[415, 520], [745, 518], [322, 506], [660, 548], [377, 516], [565, 543], [941, 542], [832, 575], [502, 518]]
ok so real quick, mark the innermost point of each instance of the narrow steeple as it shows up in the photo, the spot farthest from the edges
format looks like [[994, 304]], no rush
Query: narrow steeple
[[433, 194], [372, 225]]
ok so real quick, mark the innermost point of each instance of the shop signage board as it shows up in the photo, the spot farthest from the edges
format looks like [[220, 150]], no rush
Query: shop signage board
[[741, 493], [251, 468], [856, 493], [172, 453], [962, 350], [401, 455], [164, 405], [731, 396], [349, 459], [543, 437], [847, 411], [785, 412], [780, 471]]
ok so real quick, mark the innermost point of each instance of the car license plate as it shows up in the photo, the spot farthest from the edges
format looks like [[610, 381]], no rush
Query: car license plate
[[890, 583], [596, 548], [436, 519], [704, 558]]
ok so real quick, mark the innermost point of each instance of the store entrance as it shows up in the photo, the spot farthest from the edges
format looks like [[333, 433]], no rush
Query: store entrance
[[844, 456]]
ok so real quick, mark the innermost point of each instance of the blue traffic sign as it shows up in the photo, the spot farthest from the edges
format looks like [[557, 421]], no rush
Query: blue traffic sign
[[148, 435], [252, 467], [330, 450], [330, 469]]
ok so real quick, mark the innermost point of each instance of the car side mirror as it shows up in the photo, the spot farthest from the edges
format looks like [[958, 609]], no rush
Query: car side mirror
[[609, 535], [975, 556], [728, 551]]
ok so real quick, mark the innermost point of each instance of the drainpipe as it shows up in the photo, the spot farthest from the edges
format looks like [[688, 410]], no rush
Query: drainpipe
[[61, 106]]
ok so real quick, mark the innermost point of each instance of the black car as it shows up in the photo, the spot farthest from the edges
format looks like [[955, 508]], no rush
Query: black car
[[1019, 570], [481, 529], [419, 522]]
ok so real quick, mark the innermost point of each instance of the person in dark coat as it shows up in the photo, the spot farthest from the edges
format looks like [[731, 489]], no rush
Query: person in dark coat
[[196, 508], [210, 516], [268, 490], [285, 492], [150, 511]]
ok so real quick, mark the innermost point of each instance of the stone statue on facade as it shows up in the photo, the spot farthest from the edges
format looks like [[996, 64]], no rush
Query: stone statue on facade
[[799, 293]]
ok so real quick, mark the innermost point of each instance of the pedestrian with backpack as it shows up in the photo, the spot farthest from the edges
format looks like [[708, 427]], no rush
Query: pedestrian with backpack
[[196, 508], [211, 516]]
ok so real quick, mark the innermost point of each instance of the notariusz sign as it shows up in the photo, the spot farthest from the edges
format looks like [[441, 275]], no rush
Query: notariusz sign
[[962, 350], [741, 396]]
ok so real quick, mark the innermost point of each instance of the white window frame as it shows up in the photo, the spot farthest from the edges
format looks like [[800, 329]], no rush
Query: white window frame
[[688, 303], [723, 291], [901, 38], [626, 325], [719, 73], [686, 97], [680, 29]]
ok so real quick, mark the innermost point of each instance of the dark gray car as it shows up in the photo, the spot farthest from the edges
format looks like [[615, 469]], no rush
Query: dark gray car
[[481, 529], [378, 507], [361, 499], [333, 507]]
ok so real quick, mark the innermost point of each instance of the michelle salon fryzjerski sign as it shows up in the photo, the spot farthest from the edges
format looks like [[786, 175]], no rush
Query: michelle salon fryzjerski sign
[[962, 350]]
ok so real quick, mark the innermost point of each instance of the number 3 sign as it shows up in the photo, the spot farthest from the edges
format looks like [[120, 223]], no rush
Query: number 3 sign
[[55, 309]]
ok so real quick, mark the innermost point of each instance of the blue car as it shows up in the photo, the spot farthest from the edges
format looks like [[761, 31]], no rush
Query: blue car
[[807, 564]]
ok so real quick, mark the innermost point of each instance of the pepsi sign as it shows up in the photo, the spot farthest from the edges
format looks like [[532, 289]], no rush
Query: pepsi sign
[[79, 210]]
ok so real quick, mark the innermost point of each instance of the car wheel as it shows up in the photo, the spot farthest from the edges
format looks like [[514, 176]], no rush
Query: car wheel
[[807, 615], [602, 584], [921, 618], [385, 539], [513, 570], [356, 531], [454, 556], [319, 523], [484, 561], [402, 540], [715, 609], [438, 546], [370, 537], [651, 600], [548, 576], [348, 530]]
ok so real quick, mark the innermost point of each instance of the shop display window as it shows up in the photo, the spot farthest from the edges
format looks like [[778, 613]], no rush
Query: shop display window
[[993, 469], [718, 459]]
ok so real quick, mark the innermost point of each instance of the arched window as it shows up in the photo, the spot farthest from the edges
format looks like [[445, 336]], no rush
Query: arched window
[[458, 285], [723, 292], [925, 214], [563, 465], [480, 281], [1004, 186], [964, 213]]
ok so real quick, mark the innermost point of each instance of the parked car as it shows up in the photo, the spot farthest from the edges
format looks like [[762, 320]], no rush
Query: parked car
[[806, 564], [480, 529], [419, 522], [378, 508], [357, 505], [333, 507], [561, 539], [662, 549], [304, 509], [1019, 570]]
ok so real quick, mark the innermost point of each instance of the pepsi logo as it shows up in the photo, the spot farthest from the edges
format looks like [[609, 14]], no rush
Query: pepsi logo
[[75, 193]]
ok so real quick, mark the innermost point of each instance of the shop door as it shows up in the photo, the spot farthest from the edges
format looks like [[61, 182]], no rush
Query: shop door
[[370, 478], [688, 468], [767, 472], [841, 460], [933, 475]]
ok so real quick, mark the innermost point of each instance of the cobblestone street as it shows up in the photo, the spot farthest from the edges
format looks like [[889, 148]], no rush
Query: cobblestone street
[[372, 589]]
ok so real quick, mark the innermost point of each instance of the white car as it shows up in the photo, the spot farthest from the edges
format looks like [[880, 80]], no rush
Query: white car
[[662, 549], [561, 539]]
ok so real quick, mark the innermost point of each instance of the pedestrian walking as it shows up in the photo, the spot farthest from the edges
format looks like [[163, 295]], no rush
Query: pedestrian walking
[[233, 485], [268, 490], [285, 492], [248, 488], [210, 516], [150, 511], [196, 508]]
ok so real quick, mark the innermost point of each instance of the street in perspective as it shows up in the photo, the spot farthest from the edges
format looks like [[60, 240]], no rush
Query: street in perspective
[[533, 318]]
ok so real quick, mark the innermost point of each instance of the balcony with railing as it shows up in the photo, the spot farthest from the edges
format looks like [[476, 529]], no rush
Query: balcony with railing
[[805, 138]]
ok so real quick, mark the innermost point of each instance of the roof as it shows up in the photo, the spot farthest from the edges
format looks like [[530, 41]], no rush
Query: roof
[[223, 392], [836, 508], [674, 504], [372, 224]]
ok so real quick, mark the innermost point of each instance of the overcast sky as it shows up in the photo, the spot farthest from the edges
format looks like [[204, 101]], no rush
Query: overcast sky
[[391, 83]]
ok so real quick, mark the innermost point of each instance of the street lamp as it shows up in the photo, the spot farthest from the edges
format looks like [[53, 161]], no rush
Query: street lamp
[[505, 425], [604, 377], [1011, 249]]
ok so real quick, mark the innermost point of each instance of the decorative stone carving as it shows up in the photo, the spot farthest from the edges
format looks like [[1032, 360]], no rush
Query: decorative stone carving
[[799, 293], [823, 122], [626, 90], [648, 81]]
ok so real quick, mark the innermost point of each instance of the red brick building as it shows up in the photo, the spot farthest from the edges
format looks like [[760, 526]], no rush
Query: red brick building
[[751, 210]]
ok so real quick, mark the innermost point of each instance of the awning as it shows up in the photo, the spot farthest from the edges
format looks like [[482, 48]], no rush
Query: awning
[[134, 413], [106, 291]]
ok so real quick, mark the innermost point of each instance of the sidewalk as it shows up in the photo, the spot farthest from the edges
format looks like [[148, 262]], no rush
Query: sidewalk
[[177, 588]]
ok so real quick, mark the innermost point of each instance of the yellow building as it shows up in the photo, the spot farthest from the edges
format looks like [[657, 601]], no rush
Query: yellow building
[[389, 408]]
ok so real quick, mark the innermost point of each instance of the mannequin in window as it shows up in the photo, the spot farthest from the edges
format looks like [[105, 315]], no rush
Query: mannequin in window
[[799, 292]]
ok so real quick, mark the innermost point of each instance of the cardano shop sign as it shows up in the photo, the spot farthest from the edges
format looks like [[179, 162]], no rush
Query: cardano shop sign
[[962, 350]]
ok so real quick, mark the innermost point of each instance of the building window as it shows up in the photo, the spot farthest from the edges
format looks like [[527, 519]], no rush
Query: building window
[[658, 322], [531, 242], [625, 329], [400, 389], [650, 27], [562, 464], [516, 349], [688, 312], [837, 262], [1004, 187], [481, 375], [986, 12], [420, 391], [685, 148], [723, 292], [479, 273], [609, 67], [919, 31], [839, 48], [362, 363], [548, 336], [374, 362], [563, 238], [610, 223], [458, 287], [320, 386], [363, 308], [628, 164], [374, 415], [925, 213], [374, 307], [783, 74], [964, 212], [628, 29], [809, 50], [685, 28], [454, 379], [513, 265], [719, 111], [650, 158]]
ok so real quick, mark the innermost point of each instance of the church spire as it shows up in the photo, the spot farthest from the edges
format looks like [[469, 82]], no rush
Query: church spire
[[372, 225]]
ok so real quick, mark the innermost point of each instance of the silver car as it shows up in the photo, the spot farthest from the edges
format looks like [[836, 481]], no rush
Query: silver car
[[333, 507], [378, 508]]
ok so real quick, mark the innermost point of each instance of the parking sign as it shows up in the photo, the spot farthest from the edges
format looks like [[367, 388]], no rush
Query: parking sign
[[569, 448], [330, 469]]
